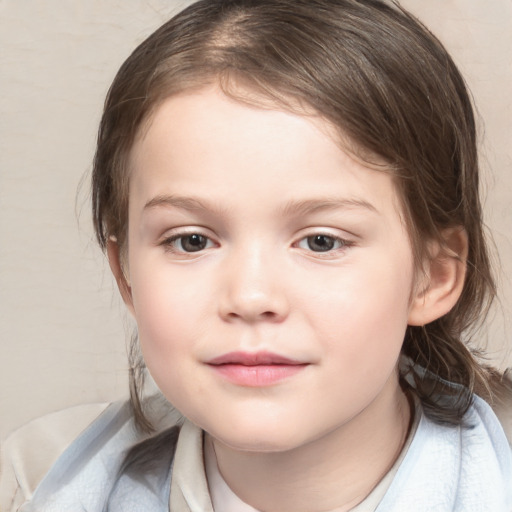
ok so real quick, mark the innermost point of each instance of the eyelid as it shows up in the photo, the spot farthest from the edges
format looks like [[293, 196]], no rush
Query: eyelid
[[346, 242], [175, 234]]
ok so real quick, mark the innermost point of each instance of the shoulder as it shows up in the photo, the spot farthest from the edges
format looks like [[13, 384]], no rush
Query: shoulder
[[83, 444], [502, 404], [443, 467], [30, 451]]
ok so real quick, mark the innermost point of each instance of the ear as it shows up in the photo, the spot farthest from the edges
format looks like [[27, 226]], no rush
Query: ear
[[116, 266], [439, 289]]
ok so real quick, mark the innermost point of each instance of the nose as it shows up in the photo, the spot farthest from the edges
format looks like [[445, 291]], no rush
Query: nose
[[253, 288]]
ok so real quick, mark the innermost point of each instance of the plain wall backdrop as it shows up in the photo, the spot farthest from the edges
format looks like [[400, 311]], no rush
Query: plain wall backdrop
[[62, 325]]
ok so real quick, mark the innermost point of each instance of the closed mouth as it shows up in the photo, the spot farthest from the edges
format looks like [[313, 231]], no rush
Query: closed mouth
[[254, 359], [257, 369]]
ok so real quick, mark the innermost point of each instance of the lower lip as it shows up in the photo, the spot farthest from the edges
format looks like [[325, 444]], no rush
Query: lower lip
[[257, 375]]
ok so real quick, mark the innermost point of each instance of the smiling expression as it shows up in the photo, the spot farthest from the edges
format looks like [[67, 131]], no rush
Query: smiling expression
[[270, 274]]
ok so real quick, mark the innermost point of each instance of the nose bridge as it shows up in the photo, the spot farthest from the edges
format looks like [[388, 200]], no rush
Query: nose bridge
[[252, 286]]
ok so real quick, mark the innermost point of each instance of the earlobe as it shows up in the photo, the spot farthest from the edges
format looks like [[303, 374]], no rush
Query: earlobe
[[443, 278], [115, 262]]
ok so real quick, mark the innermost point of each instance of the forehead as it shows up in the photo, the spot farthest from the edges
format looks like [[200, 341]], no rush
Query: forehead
[[214, 142]]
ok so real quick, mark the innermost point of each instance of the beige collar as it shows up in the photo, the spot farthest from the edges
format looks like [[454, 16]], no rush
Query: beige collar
[[189, 488]]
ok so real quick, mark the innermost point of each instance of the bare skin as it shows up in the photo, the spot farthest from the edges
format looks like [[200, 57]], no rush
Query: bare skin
[[334, 473]]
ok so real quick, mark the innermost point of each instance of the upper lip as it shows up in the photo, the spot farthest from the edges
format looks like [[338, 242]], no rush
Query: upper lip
[[253, 359]]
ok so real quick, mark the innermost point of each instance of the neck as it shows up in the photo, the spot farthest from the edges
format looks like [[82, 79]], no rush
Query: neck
[[332, 473]]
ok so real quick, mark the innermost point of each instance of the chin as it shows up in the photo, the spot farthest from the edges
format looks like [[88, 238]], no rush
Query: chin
[[256, 439]]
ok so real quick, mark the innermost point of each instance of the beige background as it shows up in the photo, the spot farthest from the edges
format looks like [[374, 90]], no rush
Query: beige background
[[62, 326]]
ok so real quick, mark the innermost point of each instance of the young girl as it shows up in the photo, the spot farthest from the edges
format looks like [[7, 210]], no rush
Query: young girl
[[287, 191]]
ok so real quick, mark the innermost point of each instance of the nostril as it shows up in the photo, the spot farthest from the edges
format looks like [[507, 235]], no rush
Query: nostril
[[265, 315], [252, 316]]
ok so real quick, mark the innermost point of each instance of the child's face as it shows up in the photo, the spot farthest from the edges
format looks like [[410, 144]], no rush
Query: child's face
[[252, 232]]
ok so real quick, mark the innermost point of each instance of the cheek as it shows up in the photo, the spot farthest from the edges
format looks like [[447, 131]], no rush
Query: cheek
[[361, 327], [166, 333], [364, 316], [165, 313]]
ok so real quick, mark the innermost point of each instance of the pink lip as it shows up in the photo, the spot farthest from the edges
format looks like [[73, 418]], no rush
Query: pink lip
[[253, 359], [257, 369]]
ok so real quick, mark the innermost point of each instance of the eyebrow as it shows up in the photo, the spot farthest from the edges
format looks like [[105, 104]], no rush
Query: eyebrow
[[292, 208], [182, 202], [310, 206]]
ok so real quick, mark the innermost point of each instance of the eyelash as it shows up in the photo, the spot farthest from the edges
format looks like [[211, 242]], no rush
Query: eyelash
[[341, 243], [169, 243], [338, 243]]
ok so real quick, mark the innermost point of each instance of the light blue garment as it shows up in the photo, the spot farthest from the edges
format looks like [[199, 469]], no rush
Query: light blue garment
[[86, 476], [446, 469], [455, 469]]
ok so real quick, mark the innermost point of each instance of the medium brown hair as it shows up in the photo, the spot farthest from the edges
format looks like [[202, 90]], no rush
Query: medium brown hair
[[384, 81]]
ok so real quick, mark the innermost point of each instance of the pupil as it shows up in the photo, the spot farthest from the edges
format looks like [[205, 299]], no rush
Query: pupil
[[320, 243], [193, 243]]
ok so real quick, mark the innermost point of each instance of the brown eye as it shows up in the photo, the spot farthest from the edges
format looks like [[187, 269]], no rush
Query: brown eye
[[192, 243], [321, 243], [187, 243]]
